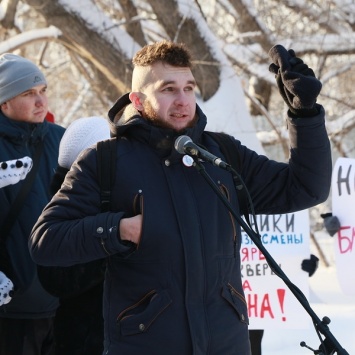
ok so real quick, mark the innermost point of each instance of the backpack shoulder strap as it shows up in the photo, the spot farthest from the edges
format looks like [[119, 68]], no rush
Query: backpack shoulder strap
[[106, 155], [231, 153], [106, 163]]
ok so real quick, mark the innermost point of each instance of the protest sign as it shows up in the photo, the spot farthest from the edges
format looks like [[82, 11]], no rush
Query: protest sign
[[343, 201], [270, 302]]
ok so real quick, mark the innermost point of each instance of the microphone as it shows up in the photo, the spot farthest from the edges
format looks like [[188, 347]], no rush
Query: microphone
[[185, 145]]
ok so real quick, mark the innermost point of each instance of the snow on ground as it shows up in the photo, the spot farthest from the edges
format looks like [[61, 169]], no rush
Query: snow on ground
[[326, 299]]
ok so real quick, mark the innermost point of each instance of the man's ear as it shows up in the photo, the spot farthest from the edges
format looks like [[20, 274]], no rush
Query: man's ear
[[3, 107], [137, 99]]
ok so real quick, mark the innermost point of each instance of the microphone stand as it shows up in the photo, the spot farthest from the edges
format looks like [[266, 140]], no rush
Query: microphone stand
[[329, 345]]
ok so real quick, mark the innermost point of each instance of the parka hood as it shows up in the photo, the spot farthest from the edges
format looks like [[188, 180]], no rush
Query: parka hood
[[125, 120]]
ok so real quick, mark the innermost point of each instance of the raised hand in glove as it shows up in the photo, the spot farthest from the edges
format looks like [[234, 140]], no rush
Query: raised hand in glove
[[297, 83], [6, 289], [331, 223], [310, 265]]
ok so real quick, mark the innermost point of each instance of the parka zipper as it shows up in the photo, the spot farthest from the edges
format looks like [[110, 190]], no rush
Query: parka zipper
[[225, 192]]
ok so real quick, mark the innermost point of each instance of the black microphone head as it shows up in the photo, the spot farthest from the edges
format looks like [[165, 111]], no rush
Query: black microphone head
[[180, 143]]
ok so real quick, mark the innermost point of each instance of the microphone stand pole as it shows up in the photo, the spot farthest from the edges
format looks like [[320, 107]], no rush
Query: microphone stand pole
[[329, 345]]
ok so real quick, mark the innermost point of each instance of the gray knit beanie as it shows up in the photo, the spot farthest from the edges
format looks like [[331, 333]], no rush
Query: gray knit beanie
[[17, 75]]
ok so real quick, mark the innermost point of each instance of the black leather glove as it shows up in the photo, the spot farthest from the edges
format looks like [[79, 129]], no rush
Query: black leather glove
[[297, 83], [310, 265], [331, 223]]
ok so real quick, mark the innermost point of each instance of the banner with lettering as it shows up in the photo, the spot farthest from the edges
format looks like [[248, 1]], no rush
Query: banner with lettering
[[343, 202], [271, 304]]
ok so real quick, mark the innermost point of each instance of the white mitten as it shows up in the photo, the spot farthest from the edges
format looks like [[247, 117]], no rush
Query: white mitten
[[6, 289], [12, 171]]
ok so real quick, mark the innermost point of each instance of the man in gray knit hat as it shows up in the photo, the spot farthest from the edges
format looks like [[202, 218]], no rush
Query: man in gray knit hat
[[27, 311]]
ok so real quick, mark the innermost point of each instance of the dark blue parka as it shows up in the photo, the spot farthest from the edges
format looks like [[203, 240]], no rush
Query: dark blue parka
[[17, 140], [179, 292]]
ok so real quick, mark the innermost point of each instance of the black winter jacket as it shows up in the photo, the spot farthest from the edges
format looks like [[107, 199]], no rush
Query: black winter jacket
[[179, 292], [17, 140]]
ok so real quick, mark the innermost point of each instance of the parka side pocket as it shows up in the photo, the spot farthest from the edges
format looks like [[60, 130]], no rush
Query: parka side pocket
[[138, 318], [237, 301]]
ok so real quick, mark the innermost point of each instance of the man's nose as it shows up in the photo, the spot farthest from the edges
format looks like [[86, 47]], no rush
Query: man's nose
[[181, 98], [40, 99]]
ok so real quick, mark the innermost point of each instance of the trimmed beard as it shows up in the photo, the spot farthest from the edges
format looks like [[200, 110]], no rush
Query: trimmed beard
[[150, 115]]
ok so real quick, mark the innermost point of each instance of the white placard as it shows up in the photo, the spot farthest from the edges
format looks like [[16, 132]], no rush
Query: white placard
[[343, 201], [271, 304]]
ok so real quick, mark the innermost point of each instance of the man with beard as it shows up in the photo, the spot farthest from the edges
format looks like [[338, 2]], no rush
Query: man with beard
[[173, 280]]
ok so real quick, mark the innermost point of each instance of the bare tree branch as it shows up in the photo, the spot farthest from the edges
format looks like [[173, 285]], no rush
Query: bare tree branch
[[133, 27], [185, 29], [8, 20]]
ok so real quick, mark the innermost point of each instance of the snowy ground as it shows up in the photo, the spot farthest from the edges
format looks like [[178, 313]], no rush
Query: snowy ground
[[326, 299]]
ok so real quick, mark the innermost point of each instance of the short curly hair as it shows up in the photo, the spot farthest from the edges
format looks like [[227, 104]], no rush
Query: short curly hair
[[174, 54]]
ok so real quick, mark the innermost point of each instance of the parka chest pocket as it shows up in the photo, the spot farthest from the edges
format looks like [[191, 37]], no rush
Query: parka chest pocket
[[139, 317], [237, 301]]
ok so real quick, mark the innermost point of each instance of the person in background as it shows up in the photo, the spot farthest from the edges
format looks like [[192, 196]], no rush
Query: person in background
[[78, 324], [173, 278], [29, 149]]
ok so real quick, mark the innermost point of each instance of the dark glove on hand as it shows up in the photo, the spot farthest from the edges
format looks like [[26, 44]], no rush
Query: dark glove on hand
[[331, 223], [310, 265], [297, 83]]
